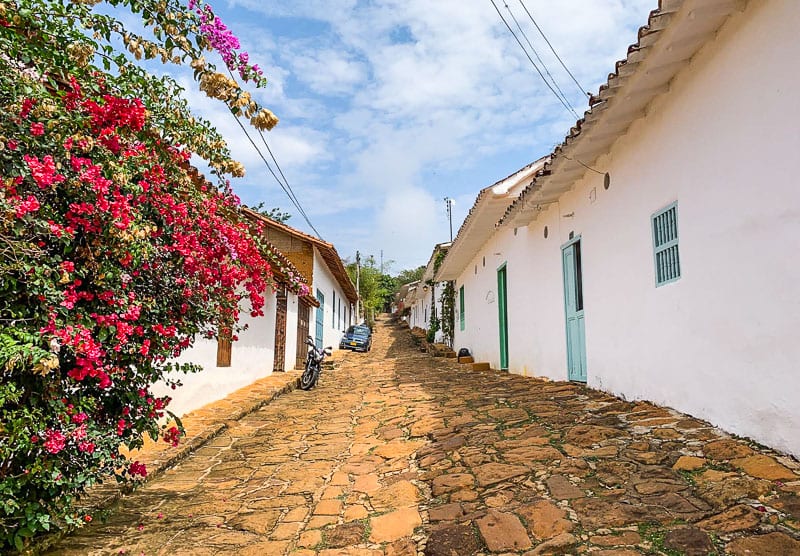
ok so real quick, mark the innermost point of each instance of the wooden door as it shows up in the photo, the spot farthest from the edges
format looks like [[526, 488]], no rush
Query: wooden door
[[303, 311], [279, 363]]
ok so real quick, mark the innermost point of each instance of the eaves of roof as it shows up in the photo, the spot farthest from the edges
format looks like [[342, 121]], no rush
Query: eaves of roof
[[478, 226], [674, 33], [429, 268], [326, 250]]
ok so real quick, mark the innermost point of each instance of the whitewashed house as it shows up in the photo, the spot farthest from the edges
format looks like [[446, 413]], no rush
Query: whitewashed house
[[654, 255], [427, 294], [273, 342], [474, 261]]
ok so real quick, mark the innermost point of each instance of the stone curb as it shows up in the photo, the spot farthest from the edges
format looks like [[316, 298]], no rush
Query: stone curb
[[202, 425]]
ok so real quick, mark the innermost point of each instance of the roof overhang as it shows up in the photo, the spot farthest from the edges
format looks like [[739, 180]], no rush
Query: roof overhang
[[674, 33], [480, 223]]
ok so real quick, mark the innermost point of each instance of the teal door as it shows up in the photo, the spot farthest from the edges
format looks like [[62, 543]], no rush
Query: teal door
[[502, 308], [573, 304], [320, 319]]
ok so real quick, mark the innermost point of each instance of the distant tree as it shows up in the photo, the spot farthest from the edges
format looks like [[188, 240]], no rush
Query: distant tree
[[410, 275], [273, 214], [375, 288]]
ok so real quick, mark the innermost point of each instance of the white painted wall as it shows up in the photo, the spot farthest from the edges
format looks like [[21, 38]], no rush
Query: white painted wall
[[252, 357], [719, 343], [423, 305], [327, 284]]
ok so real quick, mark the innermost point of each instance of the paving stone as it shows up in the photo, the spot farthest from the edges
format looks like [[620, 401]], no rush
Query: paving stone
[[447, 512], [401, 547], [690, 541], [545, 520], [394, 525], [367, 483], [309, 539], [726, 449], [346, 534], [773, 544], [689, 463], [448, 483], [491, 473], [562, 544], [737, 518], [561, 489], [458, 540], [328, 507], [398, 495], [622, 539], [588, 435], [764, 467], [503, 531], [354, 512]]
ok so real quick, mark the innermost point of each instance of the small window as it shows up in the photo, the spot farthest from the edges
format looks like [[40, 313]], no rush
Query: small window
[[333, 309], [665, 245], [461, 307]]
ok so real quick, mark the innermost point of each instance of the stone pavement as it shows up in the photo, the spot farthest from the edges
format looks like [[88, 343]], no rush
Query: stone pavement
[[396, 453]]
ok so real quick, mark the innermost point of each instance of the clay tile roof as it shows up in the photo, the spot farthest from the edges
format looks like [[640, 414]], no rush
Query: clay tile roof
[[674, 33], [326, 250]]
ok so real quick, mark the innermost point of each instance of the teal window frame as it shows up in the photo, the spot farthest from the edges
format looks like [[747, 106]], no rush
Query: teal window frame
[[461, 318], [666, 253]]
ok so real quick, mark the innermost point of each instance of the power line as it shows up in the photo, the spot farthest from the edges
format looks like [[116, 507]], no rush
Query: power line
[[285, 188], [553, 50], [565, 105], [544, 66], [284, 184]]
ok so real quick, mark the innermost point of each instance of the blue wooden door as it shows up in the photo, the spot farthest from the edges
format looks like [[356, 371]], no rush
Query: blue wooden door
[[502, 307], [573, 305], [320, 319]]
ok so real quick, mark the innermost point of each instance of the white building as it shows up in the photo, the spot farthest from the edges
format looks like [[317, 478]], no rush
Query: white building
[[425, 296], [276, 341], [653, 256]]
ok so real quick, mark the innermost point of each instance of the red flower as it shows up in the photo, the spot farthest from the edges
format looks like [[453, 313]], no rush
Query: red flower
[[54, 441], [37, 128], [137, 468]]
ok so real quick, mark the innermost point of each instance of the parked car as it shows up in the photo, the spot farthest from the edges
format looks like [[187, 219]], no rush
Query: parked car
[[357, 338]]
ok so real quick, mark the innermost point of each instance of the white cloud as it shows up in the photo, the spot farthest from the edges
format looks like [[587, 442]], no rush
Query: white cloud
[[387, 106]]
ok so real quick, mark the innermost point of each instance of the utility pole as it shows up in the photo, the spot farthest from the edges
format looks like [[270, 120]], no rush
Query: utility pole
[[358, 286], [450, 202], [381, 262]]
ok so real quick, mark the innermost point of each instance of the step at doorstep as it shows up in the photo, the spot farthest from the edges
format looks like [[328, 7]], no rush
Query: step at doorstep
[[481, 367], [466, 359]]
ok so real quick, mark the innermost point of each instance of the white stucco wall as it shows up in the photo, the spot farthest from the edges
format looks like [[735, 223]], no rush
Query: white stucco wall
[[422, 306], [252, 357], [534, 294], [327, 284], [719, 343]]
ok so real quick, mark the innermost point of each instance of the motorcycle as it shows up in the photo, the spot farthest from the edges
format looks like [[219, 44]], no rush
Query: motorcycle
[[313, 367]]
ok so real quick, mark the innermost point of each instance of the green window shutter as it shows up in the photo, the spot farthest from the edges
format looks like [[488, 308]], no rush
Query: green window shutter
[[461, 307], [665, 244], [333, 306]]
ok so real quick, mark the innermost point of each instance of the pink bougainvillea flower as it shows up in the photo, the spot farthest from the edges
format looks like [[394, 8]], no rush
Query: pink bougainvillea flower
[[54, 441], [37, 129]]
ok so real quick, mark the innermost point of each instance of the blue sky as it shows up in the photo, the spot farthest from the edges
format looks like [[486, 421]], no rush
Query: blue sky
[[388, 106]]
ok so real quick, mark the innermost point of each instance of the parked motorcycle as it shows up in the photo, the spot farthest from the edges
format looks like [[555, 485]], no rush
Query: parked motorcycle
[[313, 368]]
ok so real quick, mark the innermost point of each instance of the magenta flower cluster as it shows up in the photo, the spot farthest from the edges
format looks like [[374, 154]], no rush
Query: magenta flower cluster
[[223, 40]]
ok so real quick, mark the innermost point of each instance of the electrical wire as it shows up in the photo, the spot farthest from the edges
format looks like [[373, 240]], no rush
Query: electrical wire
[[285, 187], [284, 184], [565, 105], [553, 50], [544, 66]]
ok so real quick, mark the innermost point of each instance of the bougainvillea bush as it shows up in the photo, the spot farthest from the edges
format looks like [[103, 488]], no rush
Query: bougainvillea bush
[[114, 252]]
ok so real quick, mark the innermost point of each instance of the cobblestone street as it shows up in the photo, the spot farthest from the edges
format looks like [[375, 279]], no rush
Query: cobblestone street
[[400, 453]]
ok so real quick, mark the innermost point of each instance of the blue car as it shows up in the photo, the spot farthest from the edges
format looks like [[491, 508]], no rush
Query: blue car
[[357, 338]]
